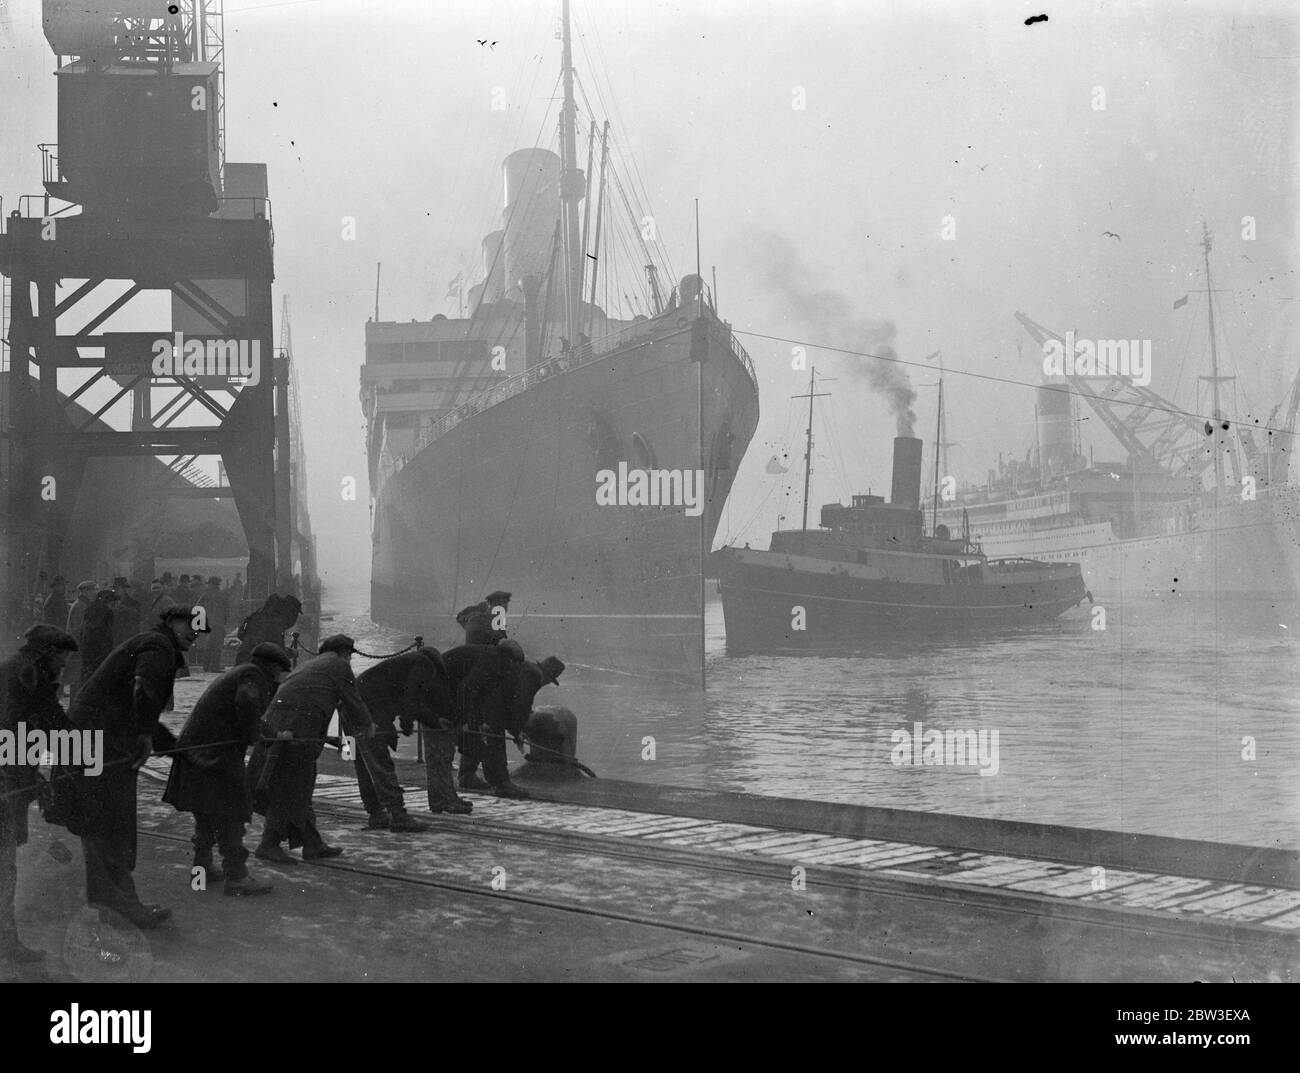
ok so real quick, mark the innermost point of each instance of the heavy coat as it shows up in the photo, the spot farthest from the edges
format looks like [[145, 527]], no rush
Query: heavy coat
[[478, 625], [27, 695], [213, 780], [126, 619], [76, 614], [54, 611], [96, 639], [124, 698], [269, 622], [213, 602], [411, 688], [492, 687], [303, 704]]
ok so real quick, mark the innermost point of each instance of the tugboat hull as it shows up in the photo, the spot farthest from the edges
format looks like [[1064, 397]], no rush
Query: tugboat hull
[[776, 602]]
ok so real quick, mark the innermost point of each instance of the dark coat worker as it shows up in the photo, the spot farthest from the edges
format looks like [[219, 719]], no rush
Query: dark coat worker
[[29, 693], [410, 688], [124, 698], [480, 620], [495, 688], [208, 776], [270, 622], [300, 715]]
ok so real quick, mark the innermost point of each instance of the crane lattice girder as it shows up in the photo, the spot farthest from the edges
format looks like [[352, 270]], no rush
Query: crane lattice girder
[[1150, 415]]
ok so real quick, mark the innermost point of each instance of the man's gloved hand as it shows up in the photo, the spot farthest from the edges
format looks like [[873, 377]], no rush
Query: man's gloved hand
[[143, 747], [285, 735]]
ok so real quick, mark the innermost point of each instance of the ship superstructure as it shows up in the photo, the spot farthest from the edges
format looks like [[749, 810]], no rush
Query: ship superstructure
[[490, 434], [1196, 505]]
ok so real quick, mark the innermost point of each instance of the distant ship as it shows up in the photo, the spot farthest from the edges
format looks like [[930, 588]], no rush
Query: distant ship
[[1148, 525], [491, 437], [870, 573]]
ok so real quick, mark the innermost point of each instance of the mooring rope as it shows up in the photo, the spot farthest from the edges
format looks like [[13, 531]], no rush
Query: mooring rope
[[296, 645]]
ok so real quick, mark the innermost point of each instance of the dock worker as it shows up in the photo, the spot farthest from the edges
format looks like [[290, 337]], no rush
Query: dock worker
[[77, 612], [96, 639], [282, 775], [211, 782], [72, 626], [29, 693], [54, 612], [270, 622], [411, 688], [126, 612], [478, 619], [159, 598], [124, 698], [495, 693], [213, 602]]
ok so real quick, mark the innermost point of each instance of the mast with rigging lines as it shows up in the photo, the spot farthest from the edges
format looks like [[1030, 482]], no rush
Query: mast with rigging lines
[[572, 188]]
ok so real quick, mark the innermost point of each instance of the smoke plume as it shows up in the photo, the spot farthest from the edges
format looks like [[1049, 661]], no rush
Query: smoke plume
[[832, 318]]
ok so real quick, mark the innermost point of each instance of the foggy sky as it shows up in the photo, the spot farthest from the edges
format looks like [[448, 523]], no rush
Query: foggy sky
[[913, 113]]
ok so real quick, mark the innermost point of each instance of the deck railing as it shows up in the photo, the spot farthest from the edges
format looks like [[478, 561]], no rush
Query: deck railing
[[573, 359]]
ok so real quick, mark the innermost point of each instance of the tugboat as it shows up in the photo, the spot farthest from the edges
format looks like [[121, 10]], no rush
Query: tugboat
[[869, 573]]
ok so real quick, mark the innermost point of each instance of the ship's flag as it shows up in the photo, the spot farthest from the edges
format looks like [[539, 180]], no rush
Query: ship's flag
[[1182, 301], [453, 288], [774, 466]]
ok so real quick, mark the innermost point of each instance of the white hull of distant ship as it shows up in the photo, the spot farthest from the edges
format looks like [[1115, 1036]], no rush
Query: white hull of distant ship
[[1151, 525]]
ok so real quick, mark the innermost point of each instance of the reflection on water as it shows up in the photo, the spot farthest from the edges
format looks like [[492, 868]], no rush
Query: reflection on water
[[1139, 727]]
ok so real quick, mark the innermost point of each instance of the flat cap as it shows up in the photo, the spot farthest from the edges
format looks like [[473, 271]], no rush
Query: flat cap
[[339, 642], [44, 638], [273, 653], [498, 597]]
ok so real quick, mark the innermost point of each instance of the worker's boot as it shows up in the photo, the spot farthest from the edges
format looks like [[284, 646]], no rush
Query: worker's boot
[[203, 859], [404, 822], [246, 884], [379, 821], [273, 851]]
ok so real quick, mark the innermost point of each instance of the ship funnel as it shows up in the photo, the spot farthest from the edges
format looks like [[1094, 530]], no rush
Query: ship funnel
[[906, 490], [494, 266], [532, 212]]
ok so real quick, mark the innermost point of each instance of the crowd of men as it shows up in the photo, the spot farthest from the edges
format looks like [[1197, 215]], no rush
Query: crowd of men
[[100, 617], [473, 697]]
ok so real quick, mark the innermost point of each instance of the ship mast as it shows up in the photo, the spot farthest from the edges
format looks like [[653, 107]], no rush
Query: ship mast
[[807, 466], [1214, 376], [572, 185], [938, 443]]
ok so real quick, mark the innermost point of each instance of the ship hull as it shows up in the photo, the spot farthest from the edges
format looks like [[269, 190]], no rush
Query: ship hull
[[774, 602], [506, 499], [1243, 550]]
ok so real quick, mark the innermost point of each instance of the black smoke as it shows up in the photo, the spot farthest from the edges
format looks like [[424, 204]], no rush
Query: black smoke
[[832, 318]]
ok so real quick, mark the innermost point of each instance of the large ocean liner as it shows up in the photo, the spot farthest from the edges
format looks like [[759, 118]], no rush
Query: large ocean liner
[[1203, 508], [490, 435]]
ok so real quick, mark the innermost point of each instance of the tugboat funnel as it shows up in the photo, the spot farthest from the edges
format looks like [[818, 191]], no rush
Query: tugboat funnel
[[906, 490]]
